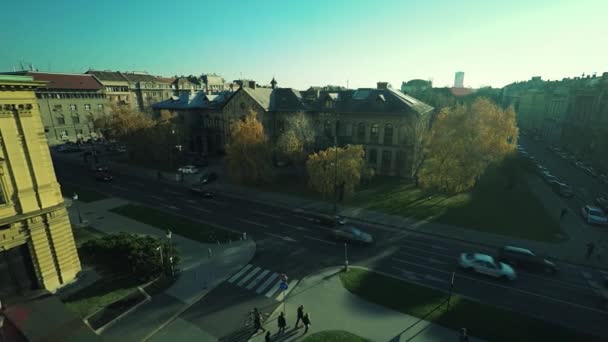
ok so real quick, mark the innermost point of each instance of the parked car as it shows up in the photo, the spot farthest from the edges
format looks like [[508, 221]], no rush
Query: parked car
[[208, 177], [188, 169], [526, 259], [103, 176], [99, 168], [328, 220], [602, 202], [548, 177], [562, 189], [485, 264], [202, 192], [352, 235], [594, 215], [199, 162]]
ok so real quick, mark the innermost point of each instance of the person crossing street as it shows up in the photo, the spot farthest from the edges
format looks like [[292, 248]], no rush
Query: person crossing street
[[282, 323], [300, 315]]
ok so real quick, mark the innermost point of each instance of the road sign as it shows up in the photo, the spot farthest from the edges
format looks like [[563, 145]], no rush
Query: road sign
[[283, 286]]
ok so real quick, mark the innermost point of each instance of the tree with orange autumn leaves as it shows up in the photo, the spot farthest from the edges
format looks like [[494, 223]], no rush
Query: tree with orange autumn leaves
[[464, 141], [321, 167]]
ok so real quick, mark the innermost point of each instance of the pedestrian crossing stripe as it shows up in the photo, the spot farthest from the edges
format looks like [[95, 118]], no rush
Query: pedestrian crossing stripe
[[248, 276], [239, 274], [257, 279], [266, 283], [273, 289]]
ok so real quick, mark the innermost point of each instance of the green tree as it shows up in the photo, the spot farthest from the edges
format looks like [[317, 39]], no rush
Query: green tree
[[248, 156], [297, 140], [322, 175], [464, 141]]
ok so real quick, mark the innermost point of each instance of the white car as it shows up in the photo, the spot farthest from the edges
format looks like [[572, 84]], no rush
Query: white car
[[188, 169], [485, 264], [594, 215]]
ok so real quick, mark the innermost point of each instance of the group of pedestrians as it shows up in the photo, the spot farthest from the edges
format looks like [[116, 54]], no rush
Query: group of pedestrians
[[302, 316]]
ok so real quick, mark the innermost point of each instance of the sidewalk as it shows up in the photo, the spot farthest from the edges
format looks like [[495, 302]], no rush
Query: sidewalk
[[571, 250], [199, 273], [332, 307]]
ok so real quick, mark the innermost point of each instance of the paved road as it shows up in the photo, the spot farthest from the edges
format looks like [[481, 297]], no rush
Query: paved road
[[291, 243]]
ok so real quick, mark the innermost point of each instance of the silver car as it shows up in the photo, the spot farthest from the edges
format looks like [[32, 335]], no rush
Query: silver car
[[594, 215], [485, 264]]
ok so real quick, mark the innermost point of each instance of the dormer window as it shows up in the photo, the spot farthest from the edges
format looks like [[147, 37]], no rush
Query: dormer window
[[380, 99]]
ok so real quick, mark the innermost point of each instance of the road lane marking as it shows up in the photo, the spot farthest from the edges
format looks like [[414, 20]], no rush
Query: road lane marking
[[136, 183], [157, 197], [286, 238], [296, 227], [173, 192], [216, 202], [199, 208], [533, 294], [191, 201], [257, 279], [273, 289], [119, 187], [320, 240], [265, 284], [248, 276], [266, 214], [239, 274], [172, 207], [254, 223]]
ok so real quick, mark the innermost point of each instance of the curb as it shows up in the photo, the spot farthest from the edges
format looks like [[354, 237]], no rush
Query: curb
[[196, 300]]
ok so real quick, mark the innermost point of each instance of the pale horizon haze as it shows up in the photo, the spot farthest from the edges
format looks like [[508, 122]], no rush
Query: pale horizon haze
[[317, 43]]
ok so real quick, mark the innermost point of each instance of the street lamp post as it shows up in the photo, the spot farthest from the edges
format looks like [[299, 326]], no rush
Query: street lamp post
[[336, 165], [160, 251], [345, 257], [75, 198], [170, 252]]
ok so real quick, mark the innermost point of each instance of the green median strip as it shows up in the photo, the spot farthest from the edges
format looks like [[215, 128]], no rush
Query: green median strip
[[334, 336], [84, 195], [177, 224], [481, 320]]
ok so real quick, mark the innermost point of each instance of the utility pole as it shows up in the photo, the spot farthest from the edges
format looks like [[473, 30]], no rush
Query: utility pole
[[336, 165]]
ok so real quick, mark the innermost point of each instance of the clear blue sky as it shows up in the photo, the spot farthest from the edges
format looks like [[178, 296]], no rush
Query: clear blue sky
[[305, 43]]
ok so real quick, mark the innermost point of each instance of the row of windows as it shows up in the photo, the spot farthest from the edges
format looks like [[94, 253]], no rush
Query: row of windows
[[117, 89], [73, 107], [374, 133], [60, 119], [69, 96], [387, 156]]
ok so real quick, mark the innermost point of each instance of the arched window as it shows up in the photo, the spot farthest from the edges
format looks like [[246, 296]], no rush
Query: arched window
[[328, 129], [388, 134], [361, 132], [373, 136]]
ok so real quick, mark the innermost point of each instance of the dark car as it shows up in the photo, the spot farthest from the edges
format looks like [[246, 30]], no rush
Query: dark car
[[328, 220], [99, 168], [208, 177], [562, 189], [352, 235], [602, 202], [202, 192], [103, 176], [525, 259]]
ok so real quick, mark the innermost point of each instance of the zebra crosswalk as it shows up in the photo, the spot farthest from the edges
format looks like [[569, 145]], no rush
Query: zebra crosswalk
[[262, 281]]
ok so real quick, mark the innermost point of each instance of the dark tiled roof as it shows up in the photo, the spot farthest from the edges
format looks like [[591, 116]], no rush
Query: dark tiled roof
[[259, 95], [113, 76], [198, 100], [135, 77], [286, 99], [65, 81]]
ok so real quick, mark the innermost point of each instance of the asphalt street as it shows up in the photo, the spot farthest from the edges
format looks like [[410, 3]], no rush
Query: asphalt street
[[290, 243]]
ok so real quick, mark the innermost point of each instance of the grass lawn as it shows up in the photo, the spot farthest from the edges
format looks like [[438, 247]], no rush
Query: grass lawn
[[490, 207], [84, 234], [334, 336], [103, 292], [179, 225], [482, 320], [84, 195]]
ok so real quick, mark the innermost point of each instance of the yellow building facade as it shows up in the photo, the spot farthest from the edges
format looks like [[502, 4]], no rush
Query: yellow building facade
[[37, 249]]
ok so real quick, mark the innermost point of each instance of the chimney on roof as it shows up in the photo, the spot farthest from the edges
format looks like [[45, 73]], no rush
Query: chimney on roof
[[252, 84], [382, 85]]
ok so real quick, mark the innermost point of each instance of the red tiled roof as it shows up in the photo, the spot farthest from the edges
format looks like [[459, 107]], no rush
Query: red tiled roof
[[166, 79], [67, 81]]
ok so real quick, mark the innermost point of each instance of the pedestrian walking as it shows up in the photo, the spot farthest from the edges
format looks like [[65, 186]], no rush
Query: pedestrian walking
[[590, 248], [306, 321], [464, 337], [300, 315], [267, 337], [563, 213], [282, 323], [257, 321]]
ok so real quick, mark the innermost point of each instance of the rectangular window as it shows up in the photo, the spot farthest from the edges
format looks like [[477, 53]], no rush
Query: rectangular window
[[373, 156], [60, 120], [73, 107], [76, 119], [2, 195], [57, 108], [87, 107], [387, 156], [99, 106], [79, 131]]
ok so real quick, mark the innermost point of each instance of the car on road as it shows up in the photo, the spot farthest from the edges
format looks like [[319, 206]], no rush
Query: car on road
[[485, 264], [526, 259], [548, 177], [328, 220], [103, 176], [352, 235], [208, 177], [602, 202], [202, 192], [188, 169], [594, 215], [562, 189]]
